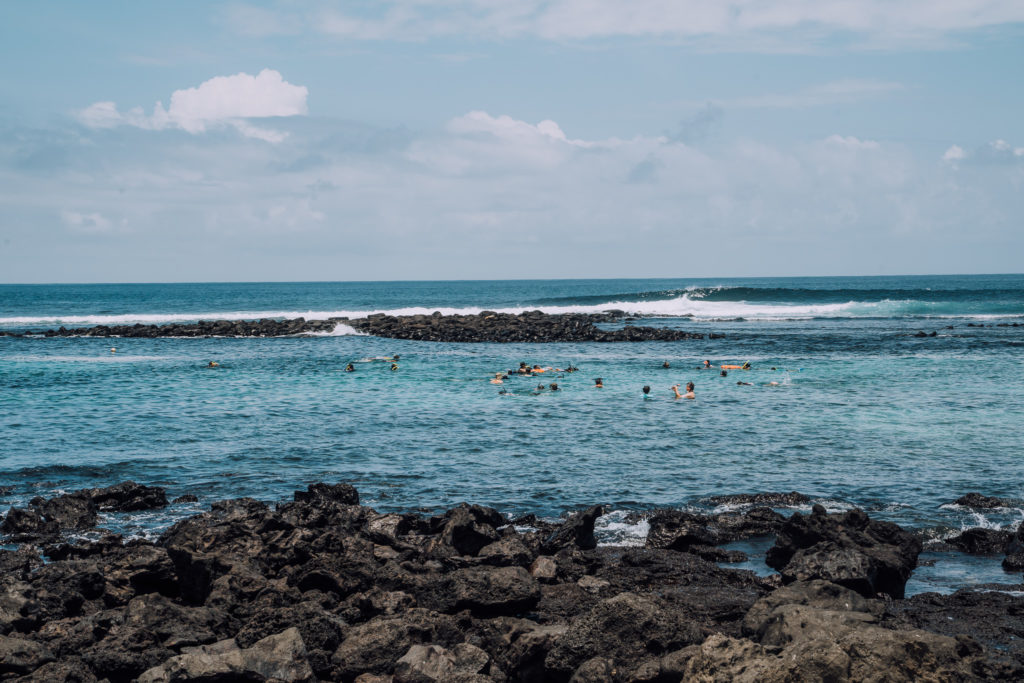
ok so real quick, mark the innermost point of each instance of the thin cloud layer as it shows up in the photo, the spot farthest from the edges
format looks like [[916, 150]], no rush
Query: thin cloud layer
[[733, 21], [219, 101]]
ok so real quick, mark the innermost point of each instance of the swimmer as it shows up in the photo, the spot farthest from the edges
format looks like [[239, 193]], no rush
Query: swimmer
[[553, 386], [724, 373], [689, 391], [213, 364], [395, 357], [571, 368], [498, 378], [772, 384], [540, 387], [744, 384], [598, 384], [746, 365], [647, 391], [666, 365], [707, 364], [394, 366], [350, 368], [113, 349]]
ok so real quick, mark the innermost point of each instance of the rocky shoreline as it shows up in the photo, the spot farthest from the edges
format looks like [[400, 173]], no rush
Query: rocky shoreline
[[487, 326], [322, 588]]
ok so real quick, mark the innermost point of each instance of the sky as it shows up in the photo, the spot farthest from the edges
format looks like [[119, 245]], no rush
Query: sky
[[480, 139]]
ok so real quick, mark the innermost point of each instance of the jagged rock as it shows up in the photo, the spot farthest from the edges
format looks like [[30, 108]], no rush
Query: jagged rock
[[26, 524], [127, 497], [778, 499], [849, 549], [978, 541], [344, 494], [1014, 560], [376, 646], [19, 656], [976, 500], [675, 530], [577, 531], [186, 498], [625, 628], [73, 511], [280, 657]]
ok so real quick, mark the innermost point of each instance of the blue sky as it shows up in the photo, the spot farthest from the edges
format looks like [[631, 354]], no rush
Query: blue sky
[[480, 139]]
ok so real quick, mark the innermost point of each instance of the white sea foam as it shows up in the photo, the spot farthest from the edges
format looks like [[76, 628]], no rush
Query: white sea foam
[[683, 306], [615, 528]]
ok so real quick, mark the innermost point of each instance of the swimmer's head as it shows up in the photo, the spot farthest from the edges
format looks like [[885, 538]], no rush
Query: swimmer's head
[[689, 386], [707, 364], [665, 365], [540, 387], [598, 382], [724, 373], [553, 386], [647, 389], [522, 364]]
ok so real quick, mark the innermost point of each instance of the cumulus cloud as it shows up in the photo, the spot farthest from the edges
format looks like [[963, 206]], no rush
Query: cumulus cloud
[[223, 100], [997, 152], [544, 200], [90, 223], [743, 24]]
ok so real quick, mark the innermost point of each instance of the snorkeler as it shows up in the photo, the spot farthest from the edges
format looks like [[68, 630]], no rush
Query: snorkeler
[[553, 386], [666, 365], [350, 368], [746, 365], [724, 373], [598, 384], [540, 388], [744, 384], [647, 391], [394, 366], [213, 364]]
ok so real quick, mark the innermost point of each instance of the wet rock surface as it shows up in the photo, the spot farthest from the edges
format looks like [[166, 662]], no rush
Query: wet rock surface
[[321, 588], [976, 500], [487, 326]]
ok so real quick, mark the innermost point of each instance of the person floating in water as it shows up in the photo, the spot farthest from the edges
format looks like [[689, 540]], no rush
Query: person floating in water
[[394, 366], [598, 383], [666, 365], [746, 365], [350, 368], [213, 364], [724, 373], [571, 368], [540, 388], [553, 386], [744, 384], [113, 349], [497, 378], [707, 364], [647, 391]]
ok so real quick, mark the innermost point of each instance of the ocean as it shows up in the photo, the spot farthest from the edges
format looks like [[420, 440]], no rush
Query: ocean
[[845, 402]]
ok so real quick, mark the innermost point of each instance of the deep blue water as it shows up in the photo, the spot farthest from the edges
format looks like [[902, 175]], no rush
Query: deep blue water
[[864, 413]]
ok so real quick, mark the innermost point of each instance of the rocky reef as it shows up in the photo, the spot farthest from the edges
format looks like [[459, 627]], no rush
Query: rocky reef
[[487, 326], [322, 588]]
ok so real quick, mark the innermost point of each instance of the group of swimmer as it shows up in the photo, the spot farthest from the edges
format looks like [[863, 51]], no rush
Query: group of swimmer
[[384, 359], [690, 393]]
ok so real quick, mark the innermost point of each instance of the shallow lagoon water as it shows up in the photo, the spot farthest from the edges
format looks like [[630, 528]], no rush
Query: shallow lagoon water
[[864, 414]]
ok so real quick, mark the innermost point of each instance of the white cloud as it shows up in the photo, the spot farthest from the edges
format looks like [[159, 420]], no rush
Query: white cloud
[[223, 100], [954, 153], [850, 142], [734, 24], [89, 223]]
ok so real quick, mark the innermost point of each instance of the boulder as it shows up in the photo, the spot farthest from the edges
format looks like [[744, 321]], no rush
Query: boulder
[[575, 532], [1014, 560], [27, 524], [127, 497], [849, 549], [978, 541], [626, 629], [675, 530], [978, 501], [344, 494], [280, 657], [19, 656]]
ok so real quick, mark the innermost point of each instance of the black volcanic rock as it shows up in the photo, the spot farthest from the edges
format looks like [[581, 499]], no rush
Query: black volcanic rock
[[321, 588], [487, 326], [849, 549], [976, 500]]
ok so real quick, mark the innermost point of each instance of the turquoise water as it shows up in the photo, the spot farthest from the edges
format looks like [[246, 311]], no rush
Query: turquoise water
[[864, 413]]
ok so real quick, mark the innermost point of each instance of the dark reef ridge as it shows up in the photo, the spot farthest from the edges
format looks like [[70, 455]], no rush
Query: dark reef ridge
[[322, 588], [487, 326]]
